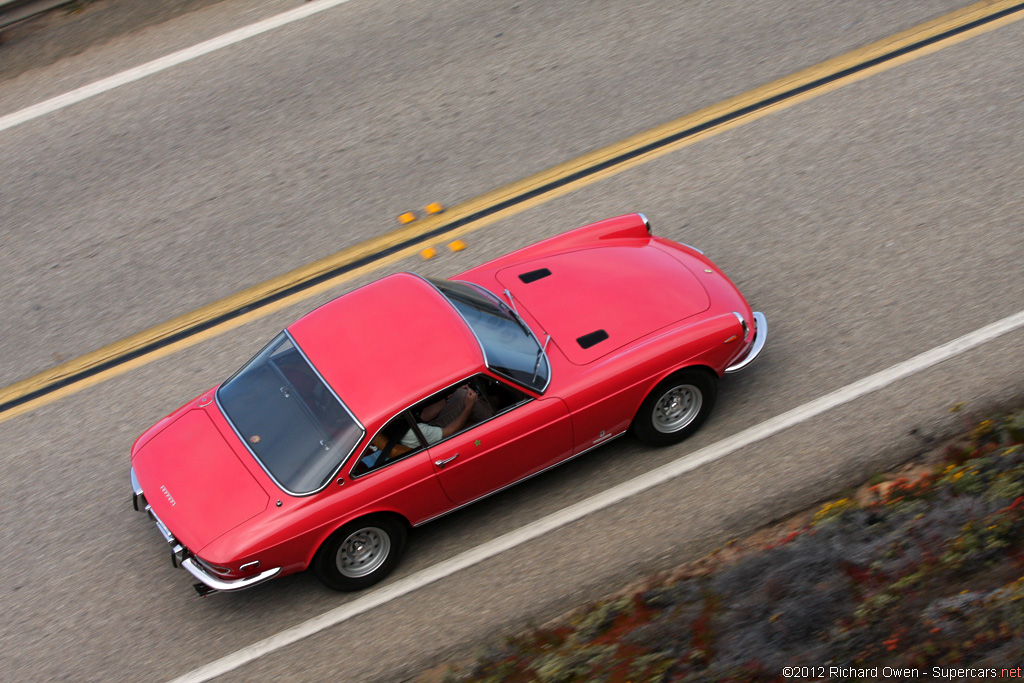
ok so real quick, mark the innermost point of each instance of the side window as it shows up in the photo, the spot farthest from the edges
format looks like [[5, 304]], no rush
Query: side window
[[395, 441], [500, 394], [464, 405], [448, 412]]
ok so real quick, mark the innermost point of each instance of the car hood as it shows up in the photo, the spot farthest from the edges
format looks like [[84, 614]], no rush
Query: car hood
[[595, 300], [195, 482]]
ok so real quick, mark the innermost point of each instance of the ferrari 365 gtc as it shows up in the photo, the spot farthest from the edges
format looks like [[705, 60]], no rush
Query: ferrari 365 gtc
[[411, 397]]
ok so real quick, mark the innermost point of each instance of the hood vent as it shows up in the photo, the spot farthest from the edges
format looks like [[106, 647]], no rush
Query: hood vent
[[534, 275], [595, 337]]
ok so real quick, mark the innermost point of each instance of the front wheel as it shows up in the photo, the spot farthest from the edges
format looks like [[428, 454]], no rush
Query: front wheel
[[361, 553], [676, 408]]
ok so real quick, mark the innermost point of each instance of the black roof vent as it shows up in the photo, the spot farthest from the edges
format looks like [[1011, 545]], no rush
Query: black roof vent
[[595, 337], [534, 275]]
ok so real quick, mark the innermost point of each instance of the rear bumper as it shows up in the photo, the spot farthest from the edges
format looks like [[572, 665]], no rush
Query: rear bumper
[[182, 557], [227, 585], [760, 336]]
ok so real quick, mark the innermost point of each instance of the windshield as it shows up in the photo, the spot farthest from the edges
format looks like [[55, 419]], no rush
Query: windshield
[[510, 348], [299, 431]]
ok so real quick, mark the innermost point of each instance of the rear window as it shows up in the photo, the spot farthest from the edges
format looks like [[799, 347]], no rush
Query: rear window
[[297, 428]]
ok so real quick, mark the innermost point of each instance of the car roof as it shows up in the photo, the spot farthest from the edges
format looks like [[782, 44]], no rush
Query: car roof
[[388, 344]]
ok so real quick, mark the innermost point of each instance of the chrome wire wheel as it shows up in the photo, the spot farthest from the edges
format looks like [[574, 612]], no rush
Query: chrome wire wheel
[[677, 408], [363, 552]]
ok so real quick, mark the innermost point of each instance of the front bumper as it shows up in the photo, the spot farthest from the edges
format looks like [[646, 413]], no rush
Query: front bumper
[[760, 336], [182, 557]]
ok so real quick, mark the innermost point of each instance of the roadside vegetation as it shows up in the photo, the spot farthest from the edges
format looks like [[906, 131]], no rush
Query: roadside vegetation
[[920, 570]]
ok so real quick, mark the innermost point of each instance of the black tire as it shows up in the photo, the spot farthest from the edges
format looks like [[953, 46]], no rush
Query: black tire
[[676, 408], [361, 553]]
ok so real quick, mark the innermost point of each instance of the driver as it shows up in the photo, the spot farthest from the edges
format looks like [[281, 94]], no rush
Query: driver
[[446, 416]]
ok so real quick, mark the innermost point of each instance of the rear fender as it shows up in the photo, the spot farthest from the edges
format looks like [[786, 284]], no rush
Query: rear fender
[[328, 531]]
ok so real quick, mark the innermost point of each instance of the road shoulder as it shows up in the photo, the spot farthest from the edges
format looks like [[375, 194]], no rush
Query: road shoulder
[[73, 28]]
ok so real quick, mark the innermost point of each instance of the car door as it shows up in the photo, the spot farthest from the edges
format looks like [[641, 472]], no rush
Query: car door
[[518, 441]]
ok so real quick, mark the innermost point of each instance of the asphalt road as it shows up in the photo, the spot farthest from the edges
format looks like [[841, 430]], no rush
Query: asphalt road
[[71, 29], [870, 224]]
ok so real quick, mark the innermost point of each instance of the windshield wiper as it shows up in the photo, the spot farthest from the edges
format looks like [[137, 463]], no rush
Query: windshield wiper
[[540, 356], [512, 301], [515, 312]]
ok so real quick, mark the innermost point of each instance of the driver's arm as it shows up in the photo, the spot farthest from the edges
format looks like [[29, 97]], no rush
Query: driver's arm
[[460, 421]]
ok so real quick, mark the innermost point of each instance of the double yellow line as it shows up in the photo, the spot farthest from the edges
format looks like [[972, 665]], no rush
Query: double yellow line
[[372, 254]]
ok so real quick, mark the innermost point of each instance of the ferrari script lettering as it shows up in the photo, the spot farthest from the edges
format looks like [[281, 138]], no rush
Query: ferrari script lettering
[[167, 494]]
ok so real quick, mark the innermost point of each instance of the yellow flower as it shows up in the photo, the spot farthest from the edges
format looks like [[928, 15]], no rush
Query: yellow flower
[[833, 508]]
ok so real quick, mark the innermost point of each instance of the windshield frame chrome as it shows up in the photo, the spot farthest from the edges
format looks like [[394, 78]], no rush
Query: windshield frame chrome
[[513, 316], [541, 348]]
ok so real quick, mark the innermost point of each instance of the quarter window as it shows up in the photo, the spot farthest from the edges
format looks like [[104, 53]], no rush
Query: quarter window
[[397, 440]]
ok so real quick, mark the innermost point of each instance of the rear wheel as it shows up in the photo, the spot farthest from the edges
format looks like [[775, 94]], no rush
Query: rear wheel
[[361, 553], [676, 408]]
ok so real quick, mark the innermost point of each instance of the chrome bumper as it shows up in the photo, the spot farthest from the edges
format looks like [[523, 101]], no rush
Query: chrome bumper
[[181, 557], [760, 336], [215, 583], [138, 497]]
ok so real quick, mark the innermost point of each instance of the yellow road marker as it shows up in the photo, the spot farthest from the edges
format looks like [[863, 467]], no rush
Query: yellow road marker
[[407, 217], [428, 253], [457, 245], [377, 252], [433, 208]]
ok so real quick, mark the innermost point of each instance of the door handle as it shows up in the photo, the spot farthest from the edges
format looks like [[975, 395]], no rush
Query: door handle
[[442, 463]]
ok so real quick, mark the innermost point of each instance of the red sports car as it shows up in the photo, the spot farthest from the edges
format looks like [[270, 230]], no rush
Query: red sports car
[[411, 397]]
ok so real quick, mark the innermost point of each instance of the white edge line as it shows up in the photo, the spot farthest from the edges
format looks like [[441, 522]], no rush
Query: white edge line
[[605, 499], [149, 68]]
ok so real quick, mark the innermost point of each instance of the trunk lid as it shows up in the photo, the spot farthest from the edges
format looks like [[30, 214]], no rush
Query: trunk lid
[[195, 482]]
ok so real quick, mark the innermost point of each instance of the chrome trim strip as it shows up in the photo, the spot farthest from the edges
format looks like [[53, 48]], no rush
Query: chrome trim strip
[[216, 396], [226, 585], [326, 383], [760, 336], [690, 246], [479, 343], [541, 347], [519, 481]]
